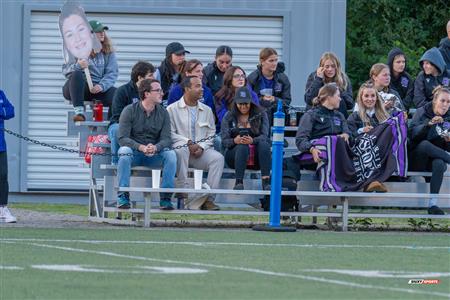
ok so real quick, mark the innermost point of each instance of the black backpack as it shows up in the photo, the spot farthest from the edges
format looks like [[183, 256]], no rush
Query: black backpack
[[288, 203]]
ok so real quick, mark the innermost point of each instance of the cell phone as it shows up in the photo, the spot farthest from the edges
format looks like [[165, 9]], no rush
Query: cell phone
[[244, 132]]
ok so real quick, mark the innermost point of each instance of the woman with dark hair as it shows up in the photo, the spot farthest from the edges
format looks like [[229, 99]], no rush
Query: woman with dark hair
[[269, 81], [193, 67], [245, 136], [215, 71], [102, 65], [329, 71], [168, 72], [430, 142], [401, 81], [233, 79]]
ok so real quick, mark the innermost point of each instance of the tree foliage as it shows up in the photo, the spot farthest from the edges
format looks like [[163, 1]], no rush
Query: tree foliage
[[374, 27]]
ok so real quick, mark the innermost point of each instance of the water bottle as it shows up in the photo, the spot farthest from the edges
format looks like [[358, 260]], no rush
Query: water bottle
[[292, 117], [98, 111]]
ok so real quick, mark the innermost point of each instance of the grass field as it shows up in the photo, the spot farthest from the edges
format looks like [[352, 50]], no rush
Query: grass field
[[130, 263]]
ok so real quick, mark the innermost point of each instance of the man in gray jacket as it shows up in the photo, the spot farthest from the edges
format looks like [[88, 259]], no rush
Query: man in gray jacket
[[144, 137]]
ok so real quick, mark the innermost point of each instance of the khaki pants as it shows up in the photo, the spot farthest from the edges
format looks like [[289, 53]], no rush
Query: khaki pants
[[210, 161]]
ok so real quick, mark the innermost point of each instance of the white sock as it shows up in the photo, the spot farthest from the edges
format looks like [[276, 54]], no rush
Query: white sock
[[433, 202], [79, 110]]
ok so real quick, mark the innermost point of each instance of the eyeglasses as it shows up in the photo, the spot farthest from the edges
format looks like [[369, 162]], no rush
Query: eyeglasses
[[239, 76], [158, 91]]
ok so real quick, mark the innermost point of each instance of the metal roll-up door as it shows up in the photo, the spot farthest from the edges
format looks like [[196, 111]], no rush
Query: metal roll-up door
[[135, 37]]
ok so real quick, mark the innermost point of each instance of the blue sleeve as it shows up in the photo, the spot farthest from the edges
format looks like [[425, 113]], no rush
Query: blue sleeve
[[111, 73], [254, 97], [175, 94], [6, 108], [221, 111], [209, 99]]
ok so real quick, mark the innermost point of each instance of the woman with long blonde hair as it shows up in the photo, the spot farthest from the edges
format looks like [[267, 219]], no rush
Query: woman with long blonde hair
[[329, 71], [370, 111], [380, 76]]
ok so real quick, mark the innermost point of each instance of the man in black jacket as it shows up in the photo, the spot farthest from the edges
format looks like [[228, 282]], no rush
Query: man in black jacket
[[444, 47], [125, 95]]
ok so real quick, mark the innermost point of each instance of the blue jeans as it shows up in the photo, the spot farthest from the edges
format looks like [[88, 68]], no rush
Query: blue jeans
[[165, 159], [112, 135]]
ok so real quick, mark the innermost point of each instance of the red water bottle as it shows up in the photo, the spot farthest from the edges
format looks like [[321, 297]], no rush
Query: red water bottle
[[98, 111], [251, 156]]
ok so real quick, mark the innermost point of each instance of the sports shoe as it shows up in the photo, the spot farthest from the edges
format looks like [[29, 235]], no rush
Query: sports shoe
[[238, 186], [376, 187], [6, 216], [123, 201], [209, 205], [165, 204], [79, 118], [435, 210]]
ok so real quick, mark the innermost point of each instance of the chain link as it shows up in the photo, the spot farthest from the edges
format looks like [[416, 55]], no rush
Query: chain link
[[83, 153]]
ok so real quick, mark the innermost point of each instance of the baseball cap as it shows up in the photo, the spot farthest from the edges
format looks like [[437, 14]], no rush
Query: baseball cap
[[242, 95], [175, 48], [97, 26]]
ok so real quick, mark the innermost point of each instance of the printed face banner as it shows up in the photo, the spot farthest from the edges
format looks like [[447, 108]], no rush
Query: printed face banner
[[375, 155], [78, 38]]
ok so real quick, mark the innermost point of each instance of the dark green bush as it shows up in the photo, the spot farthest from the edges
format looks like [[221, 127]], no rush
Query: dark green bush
[[374, 27]]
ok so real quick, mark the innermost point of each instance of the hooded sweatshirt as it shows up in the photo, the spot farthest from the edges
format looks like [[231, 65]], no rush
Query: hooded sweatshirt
[[444, 47], [403, 83], [425, 84]]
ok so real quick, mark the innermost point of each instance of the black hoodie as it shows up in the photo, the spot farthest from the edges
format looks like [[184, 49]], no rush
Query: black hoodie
[[404, 83], [425, 84]]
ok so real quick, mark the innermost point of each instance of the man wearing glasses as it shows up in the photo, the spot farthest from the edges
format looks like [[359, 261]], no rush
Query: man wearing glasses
[[144, 136], [192, 121]]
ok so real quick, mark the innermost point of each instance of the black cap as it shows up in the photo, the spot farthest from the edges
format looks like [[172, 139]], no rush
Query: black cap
[[243, 95], [175, 48]]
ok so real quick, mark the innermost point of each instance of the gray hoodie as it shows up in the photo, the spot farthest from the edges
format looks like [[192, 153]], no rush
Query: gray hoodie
[[425, 84]]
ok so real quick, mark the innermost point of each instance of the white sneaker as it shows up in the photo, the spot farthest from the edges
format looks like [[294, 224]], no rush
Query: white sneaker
[[6, 216]]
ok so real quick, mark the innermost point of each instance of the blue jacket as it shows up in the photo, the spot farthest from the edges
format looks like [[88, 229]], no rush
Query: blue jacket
[[103, 68], [6, 113], [176, 92]]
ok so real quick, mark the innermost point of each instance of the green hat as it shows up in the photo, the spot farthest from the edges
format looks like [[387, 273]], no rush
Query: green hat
[[97, 26]]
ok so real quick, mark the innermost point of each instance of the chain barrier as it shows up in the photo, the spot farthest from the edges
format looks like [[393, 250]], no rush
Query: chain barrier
[[83, 153]]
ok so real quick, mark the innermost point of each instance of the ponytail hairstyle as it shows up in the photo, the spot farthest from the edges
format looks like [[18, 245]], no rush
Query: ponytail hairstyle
[[328, 90], [376, 70], [339, 78], [221, 50], [380, 112]]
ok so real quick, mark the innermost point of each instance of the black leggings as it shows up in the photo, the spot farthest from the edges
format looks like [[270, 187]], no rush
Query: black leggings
[[76, 90], [237, 157], [428, 157], [4, 188]]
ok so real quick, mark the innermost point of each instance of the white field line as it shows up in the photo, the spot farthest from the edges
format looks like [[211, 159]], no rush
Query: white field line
[[242, 269], [412, 247]]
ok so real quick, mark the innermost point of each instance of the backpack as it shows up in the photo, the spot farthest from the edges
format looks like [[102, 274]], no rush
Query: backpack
[[288, 203]]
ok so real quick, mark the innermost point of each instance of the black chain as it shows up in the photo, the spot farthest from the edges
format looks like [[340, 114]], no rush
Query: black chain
[[55, 147]]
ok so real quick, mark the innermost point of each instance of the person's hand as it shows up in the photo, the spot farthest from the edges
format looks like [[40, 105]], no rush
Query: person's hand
[[345, 136], [315, 153], [436, 120], [96, 89], [198, 152], [268, 98], [247, 140], [151, 149], [367, 129], [237, 140], [447, 138], [83, 63], [319, 72], [193, 148], [388, 104]]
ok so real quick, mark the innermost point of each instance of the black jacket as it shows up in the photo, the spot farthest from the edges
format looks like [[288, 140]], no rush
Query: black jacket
[[313, 85], [124, 95], [213, 77], [319, 122], [229, 126], [404, 83], [169, 77], [419, 129], [281, 90], [355, 122], [425, 84], [444, 47]]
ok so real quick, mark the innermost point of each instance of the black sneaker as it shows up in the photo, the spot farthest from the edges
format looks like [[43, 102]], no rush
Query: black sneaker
[[238, 186], [435, 210]]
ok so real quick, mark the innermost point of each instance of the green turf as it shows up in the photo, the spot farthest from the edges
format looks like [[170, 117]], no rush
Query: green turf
[[234, 270]]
